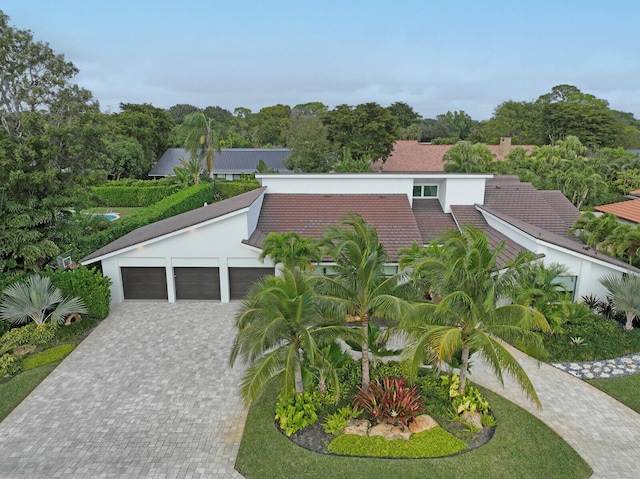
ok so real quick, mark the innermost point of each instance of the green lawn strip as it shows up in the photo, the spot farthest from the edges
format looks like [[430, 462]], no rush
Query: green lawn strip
[[624, 389], [13, 392], [122, 211], [522, 447], [47, 356]]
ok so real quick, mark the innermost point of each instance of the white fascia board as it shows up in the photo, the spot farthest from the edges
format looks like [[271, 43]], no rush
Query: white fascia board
[[166, 236], [329, 176]]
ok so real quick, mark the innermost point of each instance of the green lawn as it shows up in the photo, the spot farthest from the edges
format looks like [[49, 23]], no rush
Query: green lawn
[[123, 212], [13, 392], [624, 389], [522, 447]]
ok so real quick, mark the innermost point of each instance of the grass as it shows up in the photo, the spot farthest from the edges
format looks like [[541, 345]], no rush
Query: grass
[[123, 212], [522, 447], [14, 391], [624, 389]]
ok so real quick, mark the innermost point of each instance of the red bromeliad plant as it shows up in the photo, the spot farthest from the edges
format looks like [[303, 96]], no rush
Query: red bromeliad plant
[[390, 401]]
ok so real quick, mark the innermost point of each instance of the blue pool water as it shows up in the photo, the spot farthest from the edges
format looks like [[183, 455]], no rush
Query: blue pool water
[[108, 216]]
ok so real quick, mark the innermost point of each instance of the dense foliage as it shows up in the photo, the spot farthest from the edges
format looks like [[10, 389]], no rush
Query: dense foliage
[[88, 284]]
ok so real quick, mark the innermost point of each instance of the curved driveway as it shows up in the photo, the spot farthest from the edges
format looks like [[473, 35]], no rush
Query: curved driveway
[[148, 394]]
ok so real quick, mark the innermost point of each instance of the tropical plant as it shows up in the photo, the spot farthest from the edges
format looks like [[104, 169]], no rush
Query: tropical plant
[[188, 173], [358, 286], [280, 327], [468, 284], [290, 249], [391, 400], [336, 422], [297, 412], [377, 344], [38, 301], [625, 292], [469, 399], [201, 137]]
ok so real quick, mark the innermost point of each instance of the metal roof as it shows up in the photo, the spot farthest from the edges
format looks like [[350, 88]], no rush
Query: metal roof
[[226, 161]]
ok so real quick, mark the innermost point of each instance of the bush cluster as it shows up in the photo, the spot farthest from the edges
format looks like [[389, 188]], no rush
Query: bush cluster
[[10, 365], [127, 196], [29, 334], [299, 411], [48, 356], [88, 284]]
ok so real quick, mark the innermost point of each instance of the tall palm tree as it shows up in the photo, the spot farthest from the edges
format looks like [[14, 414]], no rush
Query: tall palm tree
[[465, 314], [201, 137], [279, 327], [38, 301], [358, 286], [625, 291], [624, 241], [290, 249]]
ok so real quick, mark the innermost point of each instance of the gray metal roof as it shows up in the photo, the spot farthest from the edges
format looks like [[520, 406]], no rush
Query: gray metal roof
[[226, 161]]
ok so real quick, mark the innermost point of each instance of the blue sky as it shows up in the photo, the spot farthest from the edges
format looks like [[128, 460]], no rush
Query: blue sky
[[436, 56]]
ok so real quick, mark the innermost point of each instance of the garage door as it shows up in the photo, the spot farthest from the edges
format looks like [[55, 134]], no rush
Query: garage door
[[144, 283], [241, 280], [197, 283]]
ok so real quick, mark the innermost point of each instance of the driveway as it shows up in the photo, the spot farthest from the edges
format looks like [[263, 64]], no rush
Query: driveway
[[148, 394]]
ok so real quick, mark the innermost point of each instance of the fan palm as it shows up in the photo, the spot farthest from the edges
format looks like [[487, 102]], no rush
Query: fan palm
[[279, 326], [465, 315], [37, 300], [358, 286], [625, 291]]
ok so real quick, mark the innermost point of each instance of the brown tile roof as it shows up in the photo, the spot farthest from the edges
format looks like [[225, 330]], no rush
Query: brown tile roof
[[410, 155], [470, 216], [178, 222], [545, 210], [311, 214], [431, 220], [625, 210]]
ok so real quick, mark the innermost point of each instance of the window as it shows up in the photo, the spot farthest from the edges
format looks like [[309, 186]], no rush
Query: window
[[425, 191]]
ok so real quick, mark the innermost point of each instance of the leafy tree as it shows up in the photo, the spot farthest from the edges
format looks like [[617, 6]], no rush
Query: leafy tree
[[628, 180], [368, 130], [466, 313], [466, 157], [220, 116], [625, 291], [291, 250], [460, 122], [314, 108], [124, 157], [436, 128], [179, 111], [311, 150], [37, 301], [404, 114], [358, 286], [201, 137], [521, 121], [279, 329], [271, 123]]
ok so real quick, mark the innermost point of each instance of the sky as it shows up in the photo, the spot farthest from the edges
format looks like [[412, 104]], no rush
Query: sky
[[436, 56]]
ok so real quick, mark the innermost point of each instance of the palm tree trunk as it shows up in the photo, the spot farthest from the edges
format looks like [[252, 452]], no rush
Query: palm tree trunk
[[365, 352], [629, 325], [464, 368], [322, 384], [298, 379]]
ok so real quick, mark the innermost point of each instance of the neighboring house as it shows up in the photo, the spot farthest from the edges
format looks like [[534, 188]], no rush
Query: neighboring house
[[228, 163], [628, 211], [212, 252], [413, 156]]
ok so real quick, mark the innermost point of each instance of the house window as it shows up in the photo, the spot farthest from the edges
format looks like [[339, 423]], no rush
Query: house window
[[425, 191], [569, 282]]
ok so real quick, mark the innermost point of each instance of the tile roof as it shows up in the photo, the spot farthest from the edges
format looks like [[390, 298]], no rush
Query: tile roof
[[410, 155], [226, 161], [625, 210], [311, 214], [178, 222], [431, 220], [470, 216]]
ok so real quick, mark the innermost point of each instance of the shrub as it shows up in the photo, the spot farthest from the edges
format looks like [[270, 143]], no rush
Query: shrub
[[336, 422], [299, 411], [10, 365], [48, 356], [435, 442], [471, 400], [71, 333], [4, 327], [88, 284], [228, 189], [115, 195], [390, 400], [29, 334]]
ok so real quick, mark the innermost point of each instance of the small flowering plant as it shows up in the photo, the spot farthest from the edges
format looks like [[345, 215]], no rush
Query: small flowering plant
[[390, 400]]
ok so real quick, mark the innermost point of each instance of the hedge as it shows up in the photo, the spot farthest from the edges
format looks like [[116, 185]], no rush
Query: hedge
[[48, 356], [87, 284], [184, 200], [228, 189], [127, 196]]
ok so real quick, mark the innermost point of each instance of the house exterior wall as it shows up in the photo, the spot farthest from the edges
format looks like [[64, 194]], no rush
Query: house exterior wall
[[218, 244]]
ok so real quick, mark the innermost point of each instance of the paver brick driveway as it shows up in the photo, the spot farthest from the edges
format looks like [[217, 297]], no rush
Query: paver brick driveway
[[148, 394]]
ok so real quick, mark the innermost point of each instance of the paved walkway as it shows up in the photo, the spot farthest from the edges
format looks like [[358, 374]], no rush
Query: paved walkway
[[148, 394], [603, 431]]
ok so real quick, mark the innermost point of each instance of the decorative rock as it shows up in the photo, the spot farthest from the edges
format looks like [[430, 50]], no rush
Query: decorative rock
[[423, 422], [358, 427], [473, 419], [390, 432]]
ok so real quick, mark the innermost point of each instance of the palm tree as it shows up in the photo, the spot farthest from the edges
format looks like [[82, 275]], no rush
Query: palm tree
[[279, 327], [291, 250], [625, 291], [201, 137], [625, 241], [358, 286], [465, 316], [466, 157], [38, 301], [598, 228]]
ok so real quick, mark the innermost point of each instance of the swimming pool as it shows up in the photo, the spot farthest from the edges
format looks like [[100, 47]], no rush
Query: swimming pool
[[108, 216]]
